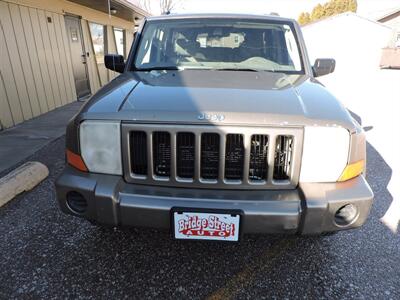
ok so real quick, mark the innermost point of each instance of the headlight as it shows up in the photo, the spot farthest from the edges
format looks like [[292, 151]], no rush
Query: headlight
[[325, 154], [100, 143]]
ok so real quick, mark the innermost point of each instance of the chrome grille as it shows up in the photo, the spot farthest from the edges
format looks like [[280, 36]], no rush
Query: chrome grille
[[212, 157]]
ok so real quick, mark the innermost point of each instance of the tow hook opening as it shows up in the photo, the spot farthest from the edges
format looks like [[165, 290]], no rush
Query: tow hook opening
[[346, 215], [76, 202]]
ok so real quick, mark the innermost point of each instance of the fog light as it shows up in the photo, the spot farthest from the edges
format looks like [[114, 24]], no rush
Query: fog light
[[346, 215], [76, 202]]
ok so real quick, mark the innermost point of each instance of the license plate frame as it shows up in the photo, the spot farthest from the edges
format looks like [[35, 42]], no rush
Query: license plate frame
[[236, 215]]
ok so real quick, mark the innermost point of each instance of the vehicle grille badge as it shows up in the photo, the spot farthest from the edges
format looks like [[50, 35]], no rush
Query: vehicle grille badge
[[211, 117]]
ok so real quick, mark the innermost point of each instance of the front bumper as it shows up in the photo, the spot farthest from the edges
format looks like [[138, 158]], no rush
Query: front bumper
[[309, 209]]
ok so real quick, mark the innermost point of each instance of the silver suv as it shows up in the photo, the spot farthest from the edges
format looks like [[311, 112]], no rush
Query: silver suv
[[215, 128]]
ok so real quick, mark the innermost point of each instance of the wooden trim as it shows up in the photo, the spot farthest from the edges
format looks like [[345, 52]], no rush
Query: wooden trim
[[67, 7]]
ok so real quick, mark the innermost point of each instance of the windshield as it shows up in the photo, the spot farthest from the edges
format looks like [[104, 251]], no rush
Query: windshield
[[225, 44]]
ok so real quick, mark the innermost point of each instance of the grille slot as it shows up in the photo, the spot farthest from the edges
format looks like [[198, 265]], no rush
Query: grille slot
[[258, 169], [185, 151], [162, 154], [283, 157], [138, 145], [234, 157], [209, 155]]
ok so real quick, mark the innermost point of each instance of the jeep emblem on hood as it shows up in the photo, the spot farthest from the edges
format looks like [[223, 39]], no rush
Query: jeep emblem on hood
[[211, 117]]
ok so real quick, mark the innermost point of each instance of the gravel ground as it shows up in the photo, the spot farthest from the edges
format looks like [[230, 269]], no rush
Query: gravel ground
[[46, 254]]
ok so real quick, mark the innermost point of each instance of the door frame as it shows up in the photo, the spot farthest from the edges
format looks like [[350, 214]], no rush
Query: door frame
[[84, 52]]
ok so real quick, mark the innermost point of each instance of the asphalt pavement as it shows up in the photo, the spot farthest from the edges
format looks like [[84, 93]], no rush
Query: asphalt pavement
[[46, 254]]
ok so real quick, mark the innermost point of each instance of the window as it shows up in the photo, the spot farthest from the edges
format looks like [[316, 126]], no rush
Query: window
[[119, 35], [97, 31], [292, 49], [217, 44], [155, 42], [74, 34]]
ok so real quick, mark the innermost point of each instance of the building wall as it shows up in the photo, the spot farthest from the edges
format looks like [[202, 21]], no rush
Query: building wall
[[35, 59]]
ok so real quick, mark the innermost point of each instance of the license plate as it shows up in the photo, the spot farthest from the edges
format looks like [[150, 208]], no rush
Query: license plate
[[206, 226]]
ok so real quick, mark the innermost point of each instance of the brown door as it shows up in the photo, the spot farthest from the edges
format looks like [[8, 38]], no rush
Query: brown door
[[78, 55]]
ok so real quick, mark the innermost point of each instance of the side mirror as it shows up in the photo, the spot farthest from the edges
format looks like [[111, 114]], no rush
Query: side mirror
[[114, 62], [323, 66]]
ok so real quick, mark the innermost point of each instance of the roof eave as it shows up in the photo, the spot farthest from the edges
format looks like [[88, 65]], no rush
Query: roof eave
[[134, 7]]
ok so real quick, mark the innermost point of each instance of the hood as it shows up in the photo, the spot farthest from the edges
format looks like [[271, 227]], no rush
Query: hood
[[219, 97]]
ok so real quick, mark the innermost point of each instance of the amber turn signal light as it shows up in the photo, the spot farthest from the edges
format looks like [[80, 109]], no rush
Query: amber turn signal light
[[76, 161], [352, 170]]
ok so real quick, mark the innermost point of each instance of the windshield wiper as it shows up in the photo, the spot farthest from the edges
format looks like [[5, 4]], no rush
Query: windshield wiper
[[162, 68], [246, 70], [237, 69]]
